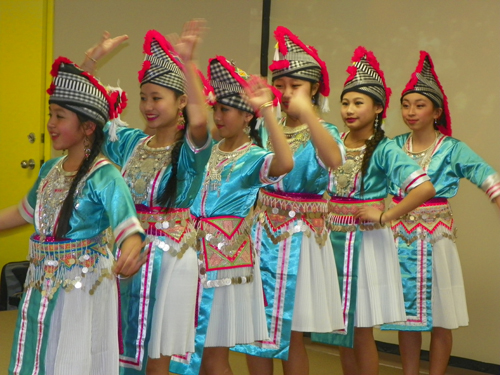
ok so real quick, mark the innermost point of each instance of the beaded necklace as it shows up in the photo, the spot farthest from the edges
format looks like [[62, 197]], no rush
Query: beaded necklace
[[218, 160], [295, 136], [423, 158]]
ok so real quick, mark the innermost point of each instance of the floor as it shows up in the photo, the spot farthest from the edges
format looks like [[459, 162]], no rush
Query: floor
[[323, 359]]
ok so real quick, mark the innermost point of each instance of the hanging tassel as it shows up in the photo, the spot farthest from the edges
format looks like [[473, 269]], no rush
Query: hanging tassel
[[259, 123], [324, 106], [113, 127], [276, 53]]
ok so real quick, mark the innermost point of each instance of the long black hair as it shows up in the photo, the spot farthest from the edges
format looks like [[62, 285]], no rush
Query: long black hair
[[63, 225], [371, 145], [169, 194], [254, 133]]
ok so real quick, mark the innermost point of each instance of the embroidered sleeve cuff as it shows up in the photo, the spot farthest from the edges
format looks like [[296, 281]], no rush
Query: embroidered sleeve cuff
[[415, 179], [26, 210], [491, 186], [193, 147], [264, 172], [127, 228]]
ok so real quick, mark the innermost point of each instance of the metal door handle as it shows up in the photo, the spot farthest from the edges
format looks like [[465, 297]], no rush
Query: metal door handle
[[28, 164]]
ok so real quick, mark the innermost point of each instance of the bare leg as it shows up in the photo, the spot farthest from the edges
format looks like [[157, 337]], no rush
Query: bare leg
[[363, 358], [348, 361], [158, 366], [410, 344], [216, 361], [259, 365], [298, 362], [440, 350]]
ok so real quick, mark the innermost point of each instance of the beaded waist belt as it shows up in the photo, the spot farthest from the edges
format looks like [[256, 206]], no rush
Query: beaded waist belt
[[341, 213], [283, 214], [175, 224], [225, 244], [434, 218], [68, 264]]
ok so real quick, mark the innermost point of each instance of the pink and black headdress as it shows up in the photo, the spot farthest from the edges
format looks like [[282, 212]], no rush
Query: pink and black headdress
[[366, 77], [80, 92], [294, 59], [425, 81], [162, 65]]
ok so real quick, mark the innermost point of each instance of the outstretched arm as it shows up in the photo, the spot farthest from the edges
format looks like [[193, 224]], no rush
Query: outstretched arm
[[415, 198], [11, 218], [261, 97], [186, 45], [101, 49], [326, 146]]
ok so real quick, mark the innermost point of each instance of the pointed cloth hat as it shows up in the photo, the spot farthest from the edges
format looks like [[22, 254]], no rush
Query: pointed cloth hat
[[366, 77], [162, 65], [425, 81]]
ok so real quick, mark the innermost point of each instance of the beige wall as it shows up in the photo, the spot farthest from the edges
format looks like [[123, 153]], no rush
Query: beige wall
[[462, 37]]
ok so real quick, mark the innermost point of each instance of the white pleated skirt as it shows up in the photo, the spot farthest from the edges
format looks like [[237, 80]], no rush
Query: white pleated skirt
[[173, 320], [317, 305], [449, 306], [83, 338], [380, 293], [237, 315]]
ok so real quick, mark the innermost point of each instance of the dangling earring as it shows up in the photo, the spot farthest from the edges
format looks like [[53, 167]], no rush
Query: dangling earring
[[435, 122], [86, 147], [246, 130], [181, 123], [376, 122], [313, 100]]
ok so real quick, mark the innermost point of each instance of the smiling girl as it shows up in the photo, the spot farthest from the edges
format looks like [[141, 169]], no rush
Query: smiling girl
[[163, 173], [68, 319], [365, 254]]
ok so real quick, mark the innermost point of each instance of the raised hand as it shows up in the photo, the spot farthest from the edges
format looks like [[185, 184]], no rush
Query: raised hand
[[101, 49], [300, 105], [191, 36], [258, 92]]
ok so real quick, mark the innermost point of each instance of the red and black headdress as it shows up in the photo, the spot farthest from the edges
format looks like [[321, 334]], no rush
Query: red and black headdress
[[366, 77], [425, 81]]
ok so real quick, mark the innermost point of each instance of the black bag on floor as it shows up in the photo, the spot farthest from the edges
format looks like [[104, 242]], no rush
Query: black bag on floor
[[12, 284]]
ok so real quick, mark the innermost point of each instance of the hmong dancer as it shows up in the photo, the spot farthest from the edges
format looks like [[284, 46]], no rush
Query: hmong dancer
[[297, 264], [232, 302], [68, 316], [365, 254], [163, 173], [430, 267]]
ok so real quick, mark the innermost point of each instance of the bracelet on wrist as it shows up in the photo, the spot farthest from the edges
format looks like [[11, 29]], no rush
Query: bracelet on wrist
[[94, 60], [265, 105], [380, 218]]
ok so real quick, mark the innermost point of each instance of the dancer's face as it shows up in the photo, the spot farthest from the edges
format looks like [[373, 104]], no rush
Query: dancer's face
[[160, 106], [419, 112], [230, 121], [359, 111]]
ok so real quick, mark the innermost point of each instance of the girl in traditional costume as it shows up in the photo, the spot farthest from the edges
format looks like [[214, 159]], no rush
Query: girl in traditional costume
[[68, 316], [365, 254], [163, 173], [232, 303], [432, 276], [297, 264]]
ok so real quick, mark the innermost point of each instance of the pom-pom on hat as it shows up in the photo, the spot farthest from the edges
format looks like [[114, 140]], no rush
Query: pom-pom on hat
[[366, 77], [228, 83], [162, 65], [425, 81], [80, 92], [294, 59]]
